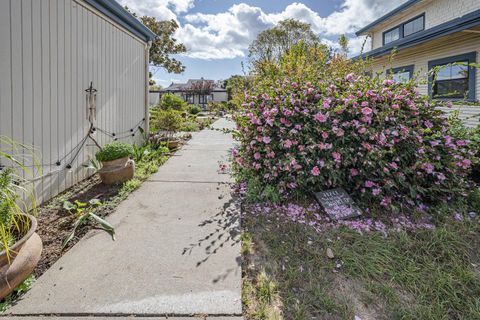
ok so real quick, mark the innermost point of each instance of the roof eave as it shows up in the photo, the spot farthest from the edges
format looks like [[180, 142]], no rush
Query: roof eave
[[117, 13], [390, 14], [467, 21]]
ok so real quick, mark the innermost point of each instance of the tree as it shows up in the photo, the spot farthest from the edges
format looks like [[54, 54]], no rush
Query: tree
[[343, 42], [203, 87], [272, 43], [164, 44]]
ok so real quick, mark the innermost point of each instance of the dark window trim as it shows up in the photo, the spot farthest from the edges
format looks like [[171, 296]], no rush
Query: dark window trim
[[400, 28], [408, 69], [188, 96], [472, 58], [202, 98]]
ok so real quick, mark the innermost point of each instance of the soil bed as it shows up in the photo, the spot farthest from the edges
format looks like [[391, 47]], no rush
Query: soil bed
[[55, 223]]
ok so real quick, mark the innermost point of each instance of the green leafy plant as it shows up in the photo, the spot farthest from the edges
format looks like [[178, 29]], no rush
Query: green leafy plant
[[83, 213], [114, 150], [16, 196], [168, 120], [170, 101], [194, 109]]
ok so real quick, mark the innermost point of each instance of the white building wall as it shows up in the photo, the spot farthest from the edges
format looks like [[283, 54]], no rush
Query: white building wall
[[436, 12], [51, 50]]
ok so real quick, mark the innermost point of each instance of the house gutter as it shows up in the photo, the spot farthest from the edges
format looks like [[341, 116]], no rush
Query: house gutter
[[147, 86]]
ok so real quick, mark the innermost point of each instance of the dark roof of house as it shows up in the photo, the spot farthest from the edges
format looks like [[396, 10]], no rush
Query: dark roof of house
[[467, 21], [119, 14], [390, 14]]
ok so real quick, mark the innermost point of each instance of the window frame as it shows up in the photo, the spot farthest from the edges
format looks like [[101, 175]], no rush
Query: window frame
[[408, 69], [413, 19], [401, 27], [188, 96], [471, 57]]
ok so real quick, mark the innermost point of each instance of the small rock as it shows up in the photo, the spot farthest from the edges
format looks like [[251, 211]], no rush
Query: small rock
[[220, 196], [472, 214], [330, 254]]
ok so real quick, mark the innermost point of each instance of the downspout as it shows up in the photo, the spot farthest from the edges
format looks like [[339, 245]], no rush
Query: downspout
[[147, 87]]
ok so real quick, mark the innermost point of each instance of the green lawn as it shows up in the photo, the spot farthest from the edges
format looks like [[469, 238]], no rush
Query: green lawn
[[422, 274]]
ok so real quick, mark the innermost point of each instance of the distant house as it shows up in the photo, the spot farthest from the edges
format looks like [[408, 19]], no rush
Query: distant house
[[427, 34], [51, 52], [195, 91]]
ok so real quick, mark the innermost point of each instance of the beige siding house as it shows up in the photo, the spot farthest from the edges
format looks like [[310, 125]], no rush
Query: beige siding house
[[52, 50], [426, 34]]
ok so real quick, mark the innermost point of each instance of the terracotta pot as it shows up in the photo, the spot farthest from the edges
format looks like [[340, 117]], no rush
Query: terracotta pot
[[24, 257], [117, 171], [174, 144]]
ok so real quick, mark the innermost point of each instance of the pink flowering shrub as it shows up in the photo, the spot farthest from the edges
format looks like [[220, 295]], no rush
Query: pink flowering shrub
[[378, 139]]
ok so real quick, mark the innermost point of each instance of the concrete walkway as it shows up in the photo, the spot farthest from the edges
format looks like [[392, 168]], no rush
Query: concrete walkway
[[177, 251]]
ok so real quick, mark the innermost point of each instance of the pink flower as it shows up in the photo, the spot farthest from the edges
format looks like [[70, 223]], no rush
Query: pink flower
[[324, 135], [369, 184], [257, 156], [349, 77], [376, 191], [320, 117], [428, 167], [353, 172], [287, 143], [428, 124], [267, 140], [395, 106], [315, 171], [362, 130], [364, 104], [336, 156], [367, 111]]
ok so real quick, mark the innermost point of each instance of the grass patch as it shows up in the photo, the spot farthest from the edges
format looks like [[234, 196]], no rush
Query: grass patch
[[422, 274], [19, 291]]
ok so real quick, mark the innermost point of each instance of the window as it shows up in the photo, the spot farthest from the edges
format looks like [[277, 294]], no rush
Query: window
[[402, 74], [453, 79], [391, 35], [405, 29], [190, 98], [210, 98], [413, 26], [202, 99]]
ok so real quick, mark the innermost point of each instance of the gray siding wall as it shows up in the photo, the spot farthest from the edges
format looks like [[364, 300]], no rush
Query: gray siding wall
[[50, 51]]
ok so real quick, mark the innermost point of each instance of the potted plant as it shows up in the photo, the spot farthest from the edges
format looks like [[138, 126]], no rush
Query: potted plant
[[20, 246], [170, 121], [117, 167]]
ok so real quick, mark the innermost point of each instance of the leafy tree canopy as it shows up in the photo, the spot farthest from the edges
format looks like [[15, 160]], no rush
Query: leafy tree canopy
[[272, 43], [164, 44]]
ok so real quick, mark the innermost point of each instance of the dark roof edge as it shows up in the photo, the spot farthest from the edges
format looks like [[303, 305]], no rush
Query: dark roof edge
[[117, 13], [469, 20], [398, 9]]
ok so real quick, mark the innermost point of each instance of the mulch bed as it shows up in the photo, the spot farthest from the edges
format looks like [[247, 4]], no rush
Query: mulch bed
[[55, 223]]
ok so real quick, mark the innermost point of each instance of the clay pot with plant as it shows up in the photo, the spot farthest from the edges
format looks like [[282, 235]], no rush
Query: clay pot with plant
[[117, 167], [20, 246], [171, 122]]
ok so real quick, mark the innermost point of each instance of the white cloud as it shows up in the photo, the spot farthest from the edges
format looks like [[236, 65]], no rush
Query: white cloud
[[228, 34], [161, 9]]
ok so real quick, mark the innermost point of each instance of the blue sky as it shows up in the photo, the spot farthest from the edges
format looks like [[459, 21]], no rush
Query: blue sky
[[217, 32]]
